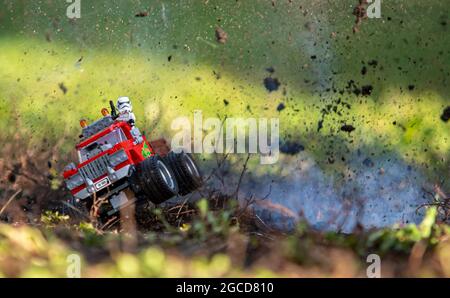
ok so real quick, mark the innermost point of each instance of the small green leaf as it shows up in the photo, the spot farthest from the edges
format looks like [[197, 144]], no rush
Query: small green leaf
[[203, 207]]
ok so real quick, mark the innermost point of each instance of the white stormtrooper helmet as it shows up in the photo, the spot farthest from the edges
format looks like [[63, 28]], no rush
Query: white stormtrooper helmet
[[124, 105]]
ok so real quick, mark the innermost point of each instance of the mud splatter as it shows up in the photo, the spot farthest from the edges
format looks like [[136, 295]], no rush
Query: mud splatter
[[291, 147], [446, 114], [270, 69], [271, 84], [63, 88], [360, 12], [366, 90], [348, 128], [142, 14], [221, 35], [281, 107]]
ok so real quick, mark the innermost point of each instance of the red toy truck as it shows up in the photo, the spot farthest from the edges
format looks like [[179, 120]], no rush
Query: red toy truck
[[118, 165]]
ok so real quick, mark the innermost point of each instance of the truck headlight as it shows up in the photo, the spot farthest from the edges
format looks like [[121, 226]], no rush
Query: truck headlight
[[74, 181], [118, 158]]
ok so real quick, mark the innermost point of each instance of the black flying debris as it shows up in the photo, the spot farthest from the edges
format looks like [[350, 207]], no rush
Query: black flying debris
[[364, 70], [270, 69], [368, 163], [446, 114], [281, 107], [366, 90], [291, 148], [142, 14], [373, 63], [221, 35], [271, 84], [348, 128], [62, 87], [319, 125]]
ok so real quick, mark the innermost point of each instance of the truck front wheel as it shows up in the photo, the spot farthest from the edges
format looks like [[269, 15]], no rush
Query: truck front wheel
[[155, 180]]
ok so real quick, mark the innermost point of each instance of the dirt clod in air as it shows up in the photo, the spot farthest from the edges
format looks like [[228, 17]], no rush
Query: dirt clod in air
[[446, 114], [366, 90], [11, 177], [142, 14], [48, 37], [62, 87], [368, 163], [320, 125], [217, 75], [373, 63], [221, 35], [271, 84], [270, 69], [281, 107], [291, 148], [364, 70], [360, 12], [348, 128]]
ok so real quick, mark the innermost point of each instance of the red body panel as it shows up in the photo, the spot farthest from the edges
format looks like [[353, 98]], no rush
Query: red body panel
[[134, 151]]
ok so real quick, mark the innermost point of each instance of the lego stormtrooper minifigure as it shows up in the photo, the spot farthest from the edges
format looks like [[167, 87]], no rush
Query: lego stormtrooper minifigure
[[125, 110], [126, 114]]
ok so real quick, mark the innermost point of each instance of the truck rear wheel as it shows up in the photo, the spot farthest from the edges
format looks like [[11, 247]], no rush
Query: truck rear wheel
[[186, 171], [156, 180]]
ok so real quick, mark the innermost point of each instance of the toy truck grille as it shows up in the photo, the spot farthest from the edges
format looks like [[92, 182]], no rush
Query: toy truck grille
[[95, 168]]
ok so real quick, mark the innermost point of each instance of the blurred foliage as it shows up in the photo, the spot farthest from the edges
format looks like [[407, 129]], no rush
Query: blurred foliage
[[216, 223], [55, 179], [29, 252], [309, 248], [402, 239], [205, 223], [53, 218], [90, 235], [24, 251]]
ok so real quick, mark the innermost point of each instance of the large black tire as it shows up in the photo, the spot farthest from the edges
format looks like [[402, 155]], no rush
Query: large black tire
[[155, 180], [186, 171]]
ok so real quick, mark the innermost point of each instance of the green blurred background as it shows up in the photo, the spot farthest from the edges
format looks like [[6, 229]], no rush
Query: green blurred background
[[54, 71]]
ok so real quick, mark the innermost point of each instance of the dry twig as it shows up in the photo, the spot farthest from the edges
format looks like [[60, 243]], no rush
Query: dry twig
[[10, 200]]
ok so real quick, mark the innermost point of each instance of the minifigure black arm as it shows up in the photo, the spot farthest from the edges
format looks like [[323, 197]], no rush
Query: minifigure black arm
[[114, 114]]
